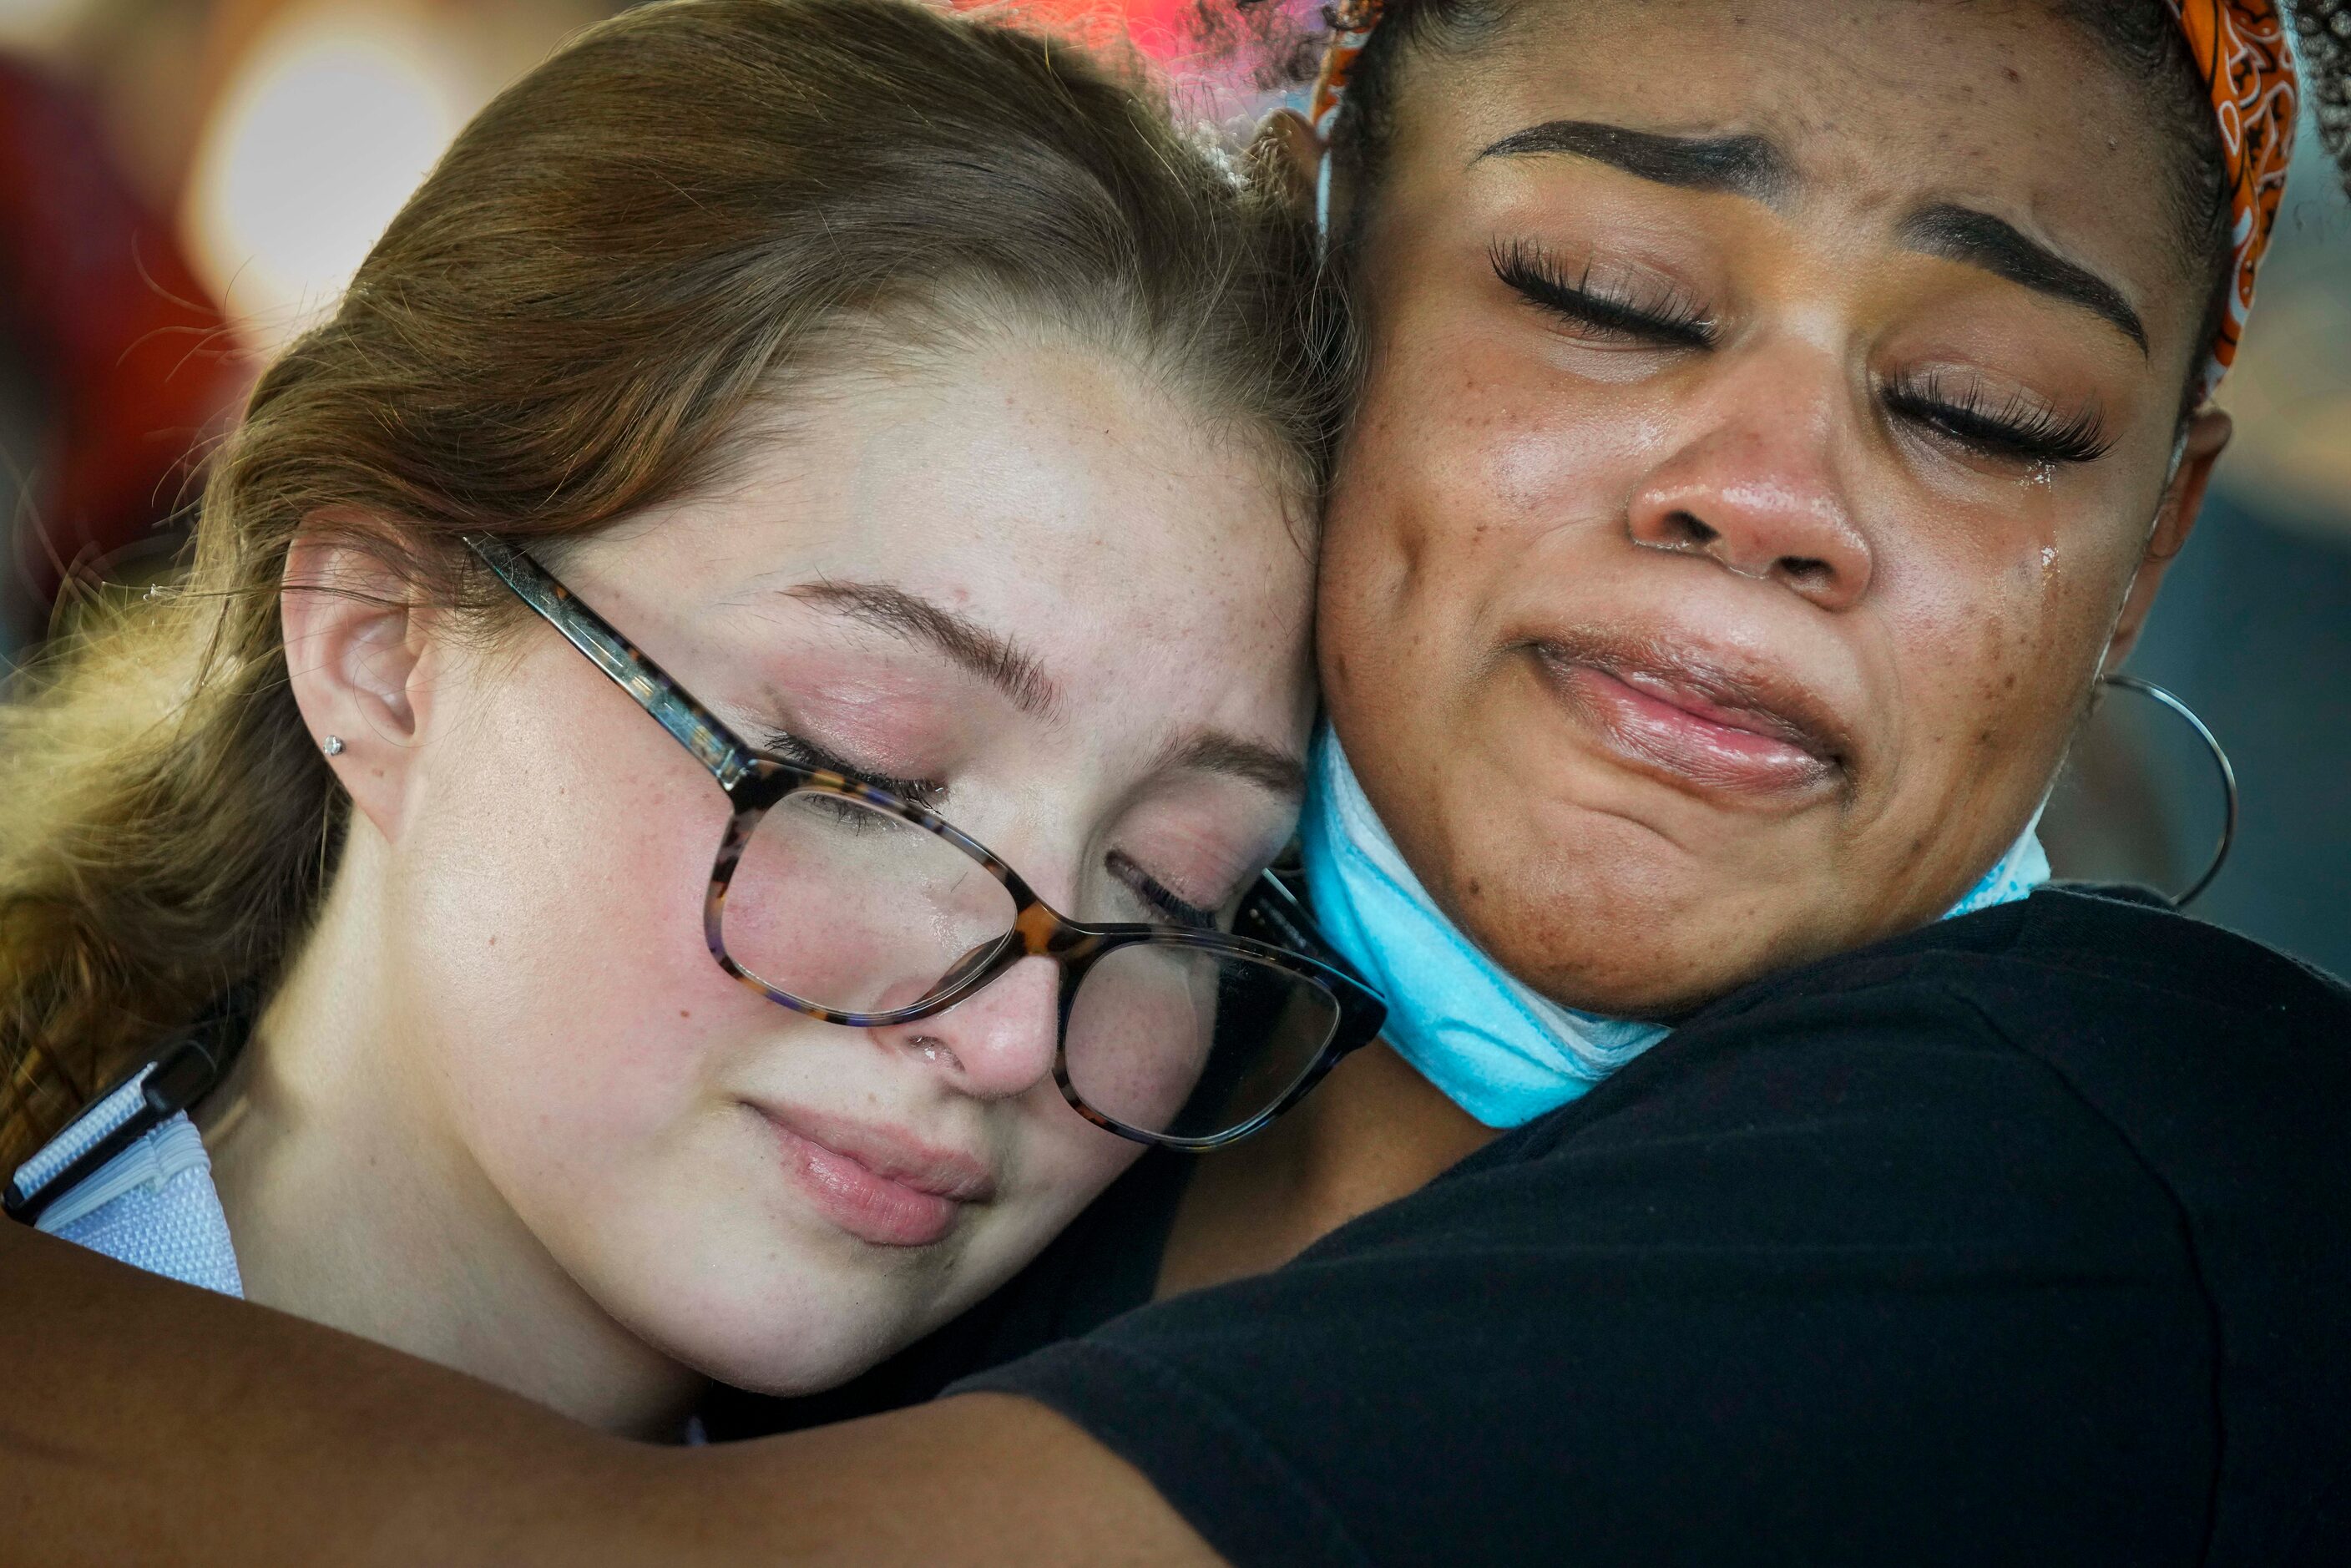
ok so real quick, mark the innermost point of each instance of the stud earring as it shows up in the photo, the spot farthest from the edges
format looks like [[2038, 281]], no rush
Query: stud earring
[[334, 745]]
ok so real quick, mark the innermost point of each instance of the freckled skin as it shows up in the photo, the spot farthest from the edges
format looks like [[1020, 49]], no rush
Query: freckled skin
[[1191, 611], [511, 990], [1907, 581]]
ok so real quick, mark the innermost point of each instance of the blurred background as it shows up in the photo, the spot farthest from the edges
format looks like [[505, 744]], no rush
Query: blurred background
[[185, 184]]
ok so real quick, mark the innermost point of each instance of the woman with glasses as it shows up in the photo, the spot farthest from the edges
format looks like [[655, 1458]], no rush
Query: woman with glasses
[[392, 937]]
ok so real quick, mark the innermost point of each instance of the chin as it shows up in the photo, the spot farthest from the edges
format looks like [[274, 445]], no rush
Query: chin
[[1661, 985], [1617, 965], [800, 1332], [752, 1294], [1615, 919]]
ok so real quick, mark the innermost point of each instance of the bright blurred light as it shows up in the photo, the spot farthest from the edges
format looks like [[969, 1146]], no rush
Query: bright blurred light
[[326, 127], [36, 24]]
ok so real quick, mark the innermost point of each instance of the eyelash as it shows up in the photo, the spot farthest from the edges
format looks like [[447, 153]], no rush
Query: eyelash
[[2015, 429], [1155, 893], [924, 792], [1667, 318], [928, 792]]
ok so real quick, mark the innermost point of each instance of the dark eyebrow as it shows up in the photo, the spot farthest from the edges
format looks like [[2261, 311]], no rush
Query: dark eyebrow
[[1979, 239], [1741, 165], [1754, 166], [994, 658], [1216, 751]]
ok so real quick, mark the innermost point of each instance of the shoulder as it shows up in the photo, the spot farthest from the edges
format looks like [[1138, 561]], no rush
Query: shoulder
[[1958, 1086], [2065, 948], [2217, 1067], [2079, 1075], [2118, 1005]]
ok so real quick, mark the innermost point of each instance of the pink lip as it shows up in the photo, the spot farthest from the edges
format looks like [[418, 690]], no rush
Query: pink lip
[[881, 1185], [1671, 724]]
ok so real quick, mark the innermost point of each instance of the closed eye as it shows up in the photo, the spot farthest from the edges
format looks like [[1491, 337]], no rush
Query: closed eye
[[926, 793], [2011, 426], [1613, 310], [1155, 895]]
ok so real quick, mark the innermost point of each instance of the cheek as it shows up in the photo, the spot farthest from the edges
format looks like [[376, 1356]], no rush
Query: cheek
[[1993, 622], [1998, 623], [566, 875], [1442, 493], [1064, 1163], [1516, 422]]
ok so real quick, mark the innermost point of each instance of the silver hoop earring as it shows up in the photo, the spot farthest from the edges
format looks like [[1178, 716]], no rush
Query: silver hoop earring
[[334, 745], [2220, 761]]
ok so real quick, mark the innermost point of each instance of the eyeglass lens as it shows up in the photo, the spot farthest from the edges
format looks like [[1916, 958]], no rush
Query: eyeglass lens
[[855, 910], [852, 909], [1191, 1043]]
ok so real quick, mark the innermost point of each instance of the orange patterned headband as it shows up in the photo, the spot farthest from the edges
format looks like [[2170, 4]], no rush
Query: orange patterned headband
[[2240, 46]]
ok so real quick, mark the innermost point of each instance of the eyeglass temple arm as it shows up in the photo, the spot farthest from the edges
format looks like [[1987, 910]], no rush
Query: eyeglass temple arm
[[1287, 924], [693, 727], [1285, 919]]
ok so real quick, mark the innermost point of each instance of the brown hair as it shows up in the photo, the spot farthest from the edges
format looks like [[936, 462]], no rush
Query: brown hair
[[617, 259]]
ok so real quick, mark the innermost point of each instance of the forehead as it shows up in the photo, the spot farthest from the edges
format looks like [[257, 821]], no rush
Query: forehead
[[1051, 490], [1881, 106]]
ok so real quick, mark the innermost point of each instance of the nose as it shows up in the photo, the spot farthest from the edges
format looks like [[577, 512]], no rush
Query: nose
[[997, 1043], [1755, 488]]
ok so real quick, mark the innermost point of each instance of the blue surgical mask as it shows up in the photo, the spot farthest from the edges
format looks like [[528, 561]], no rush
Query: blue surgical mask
[[1498, 1050]]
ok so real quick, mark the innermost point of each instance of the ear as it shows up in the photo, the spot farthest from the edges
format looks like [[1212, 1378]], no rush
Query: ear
[[1287, 156], [356, 651], [2207, 434]]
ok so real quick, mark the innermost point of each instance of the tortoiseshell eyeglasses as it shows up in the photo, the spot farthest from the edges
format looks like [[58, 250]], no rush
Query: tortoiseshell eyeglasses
[[838, 899]]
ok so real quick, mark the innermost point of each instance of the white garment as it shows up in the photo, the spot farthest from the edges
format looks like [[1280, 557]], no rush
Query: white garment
[[152, 1206]]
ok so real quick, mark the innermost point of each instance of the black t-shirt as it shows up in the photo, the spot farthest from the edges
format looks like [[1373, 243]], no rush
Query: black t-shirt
[[2024, 1239]]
